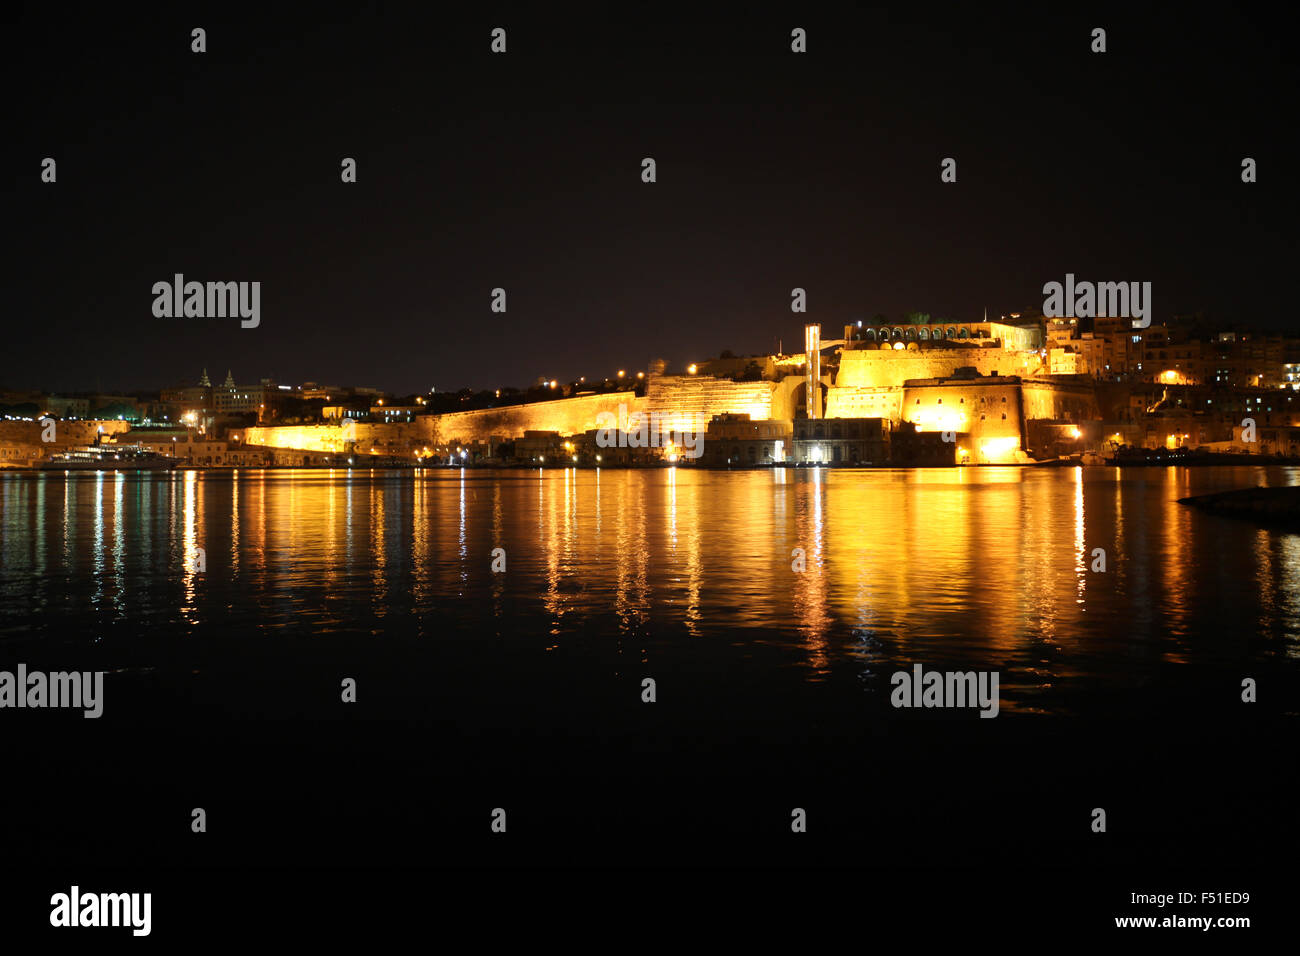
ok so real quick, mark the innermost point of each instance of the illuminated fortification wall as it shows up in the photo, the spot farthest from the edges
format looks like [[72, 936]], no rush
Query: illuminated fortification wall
[[987, 415], [1063, 401], [682, 402], [690, 401], [568, 416], [396, 439], [881, 368], [305, 437], [65, 433], [990, 409], [856, 401], [791, 395], [686, 402], [21, 445]]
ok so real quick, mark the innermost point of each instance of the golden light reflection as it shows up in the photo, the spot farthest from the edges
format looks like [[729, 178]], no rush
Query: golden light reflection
[[1278, 559], [462, 549], [98, 562], [498, 535], [421, 551], [69, 522], [234, 523], [189, 545], [631, 593], [378, 551], [989, 564], [1080, 540], [119, 545], [694, 561], [39, 563], [811, 586], [1179, 578]]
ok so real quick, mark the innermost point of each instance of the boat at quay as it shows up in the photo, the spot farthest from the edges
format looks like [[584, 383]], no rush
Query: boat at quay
[[108, 458]]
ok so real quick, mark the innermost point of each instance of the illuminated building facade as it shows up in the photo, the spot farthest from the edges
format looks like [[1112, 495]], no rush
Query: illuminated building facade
[[733, 439], [842, 441]]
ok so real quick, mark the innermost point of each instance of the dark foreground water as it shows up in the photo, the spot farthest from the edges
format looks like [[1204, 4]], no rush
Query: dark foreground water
[[229, 608]]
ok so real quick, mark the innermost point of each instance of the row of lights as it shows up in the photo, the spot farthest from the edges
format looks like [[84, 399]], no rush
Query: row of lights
[[621, 374]]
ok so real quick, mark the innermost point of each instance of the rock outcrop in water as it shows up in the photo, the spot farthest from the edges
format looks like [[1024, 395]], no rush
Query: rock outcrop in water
[[1280, 506]]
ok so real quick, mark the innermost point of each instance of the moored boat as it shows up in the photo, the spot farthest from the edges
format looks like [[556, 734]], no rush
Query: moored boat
[[108, 458]]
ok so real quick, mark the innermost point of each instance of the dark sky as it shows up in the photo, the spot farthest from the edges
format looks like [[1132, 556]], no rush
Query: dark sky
[[522, 171]]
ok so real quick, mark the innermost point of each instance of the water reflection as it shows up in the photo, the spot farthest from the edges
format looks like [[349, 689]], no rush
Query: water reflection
[[990, 567]]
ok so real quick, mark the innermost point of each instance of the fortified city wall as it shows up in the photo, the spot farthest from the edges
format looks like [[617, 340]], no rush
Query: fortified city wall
[[21, 445], [881, 368], [568, 416], [869, 385], [860, 401], [396, 438], [688, 402], [1063, 401]]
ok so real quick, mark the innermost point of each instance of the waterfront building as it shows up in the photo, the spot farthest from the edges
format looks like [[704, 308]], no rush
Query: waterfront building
[[738, 439], [539, 446], [909, 448], [841, 441]]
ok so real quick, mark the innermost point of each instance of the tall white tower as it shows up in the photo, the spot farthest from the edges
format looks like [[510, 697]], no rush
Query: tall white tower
[[812, 338]]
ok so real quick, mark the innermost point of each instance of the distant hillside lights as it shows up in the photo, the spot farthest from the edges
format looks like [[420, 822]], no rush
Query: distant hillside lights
[[1086, 300], [211, 300]]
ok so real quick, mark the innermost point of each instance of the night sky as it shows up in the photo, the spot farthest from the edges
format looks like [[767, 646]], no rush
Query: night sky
[[476, 170]]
